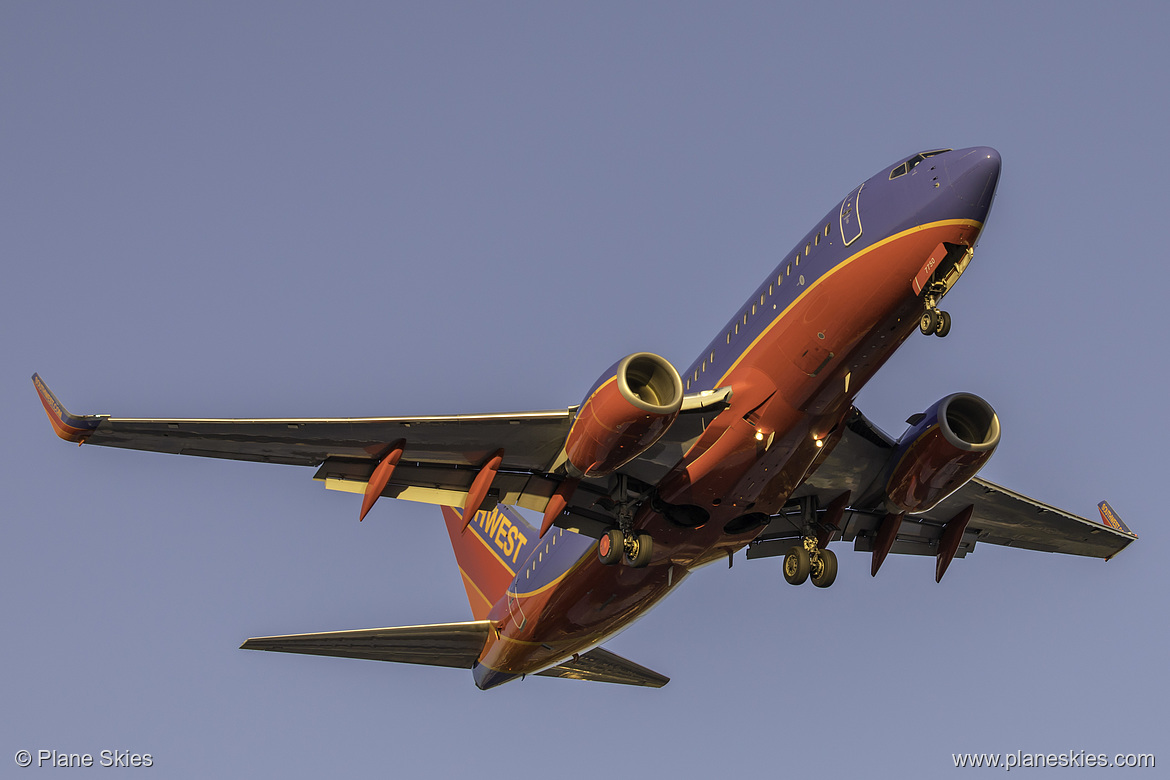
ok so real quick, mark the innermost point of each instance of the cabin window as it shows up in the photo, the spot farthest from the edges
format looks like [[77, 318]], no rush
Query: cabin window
[[753, 310], [712, 358], [817, 240], [769, 289], [826, 231], [788, 270], [807, 249]]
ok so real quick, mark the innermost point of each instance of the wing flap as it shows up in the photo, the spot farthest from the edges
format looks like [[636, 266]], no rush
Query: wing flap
[[455, 645], [600, 665]]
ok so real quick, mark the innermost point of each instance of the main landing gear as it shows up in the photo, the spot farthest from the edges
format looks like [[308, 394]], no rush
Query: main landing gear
[[623, 542], [933, 320], [615, 545], [808, 559]]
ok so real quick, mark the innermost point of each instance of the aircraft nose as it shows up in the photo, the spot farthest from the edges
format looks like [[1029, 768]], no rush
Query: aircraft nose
[[973, 174]]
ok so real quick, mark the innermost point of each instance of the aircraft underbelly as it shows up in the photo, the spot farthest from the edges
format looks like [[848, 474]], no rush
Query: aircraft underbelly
[[789, 389]]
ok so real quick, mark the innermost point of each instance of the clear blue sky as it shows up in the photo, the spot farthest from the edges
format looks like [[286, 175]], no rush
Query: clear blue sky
[[279, 209]]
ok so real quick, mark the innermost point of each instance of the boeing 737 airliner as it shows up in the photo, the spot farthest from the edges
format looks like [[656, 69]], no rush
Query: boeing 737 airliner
[[755, 445]]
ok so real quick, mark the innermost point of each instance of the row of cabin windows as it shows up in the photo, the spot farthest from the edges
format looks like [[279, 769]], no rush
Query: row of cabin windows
[[824, 232], [531, 570]]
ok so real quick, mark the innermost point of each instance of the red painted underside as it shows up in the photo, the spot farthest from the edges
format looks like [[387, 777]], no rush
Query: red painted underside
[[786, 388]]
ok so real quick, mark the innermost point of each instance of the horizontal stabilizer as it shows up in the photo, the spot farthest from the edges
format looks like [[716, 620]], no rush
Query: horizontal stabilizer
[[443, 644], [600, 665]]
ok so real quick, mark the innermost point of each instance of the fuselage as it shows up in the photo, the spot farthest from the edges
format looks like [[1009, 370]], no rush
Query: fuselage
[[795, 354]]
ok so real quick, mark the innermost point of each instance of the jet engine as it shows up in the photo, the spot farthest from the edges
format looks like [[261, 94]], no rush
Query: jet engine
[[630, 407], [941, 451]]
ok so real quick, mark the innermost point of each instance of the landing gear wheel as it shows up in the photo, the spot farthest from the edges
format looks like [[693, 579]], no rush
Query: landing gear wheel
[[797, 565], [944, 324], [929, 322], [643, 548], [826, 573], [610, 547]]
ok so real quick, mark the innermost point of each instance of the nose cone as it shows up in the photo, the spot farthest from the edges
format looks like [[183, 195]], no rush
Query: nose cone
[[973, 174]]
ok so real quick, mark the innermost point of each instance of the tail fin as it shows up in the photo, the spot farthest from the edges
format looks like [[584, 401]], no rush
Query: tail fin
[[489, 551]]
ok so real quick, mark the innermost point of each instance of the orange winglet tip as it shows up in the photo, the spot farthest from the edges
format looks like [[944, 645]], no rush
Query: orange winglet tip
[[1112, 519], [69, 427]]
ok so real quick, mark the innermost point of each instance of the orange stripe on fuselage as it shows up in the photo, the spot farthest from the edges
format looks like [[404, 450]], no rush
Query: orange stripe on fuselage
[[832, 271], [582, 610]]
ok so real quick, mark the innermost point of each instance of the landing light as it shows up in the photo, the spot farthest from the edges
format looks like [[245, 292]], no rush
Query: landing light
[[759, 435], [819, 442]]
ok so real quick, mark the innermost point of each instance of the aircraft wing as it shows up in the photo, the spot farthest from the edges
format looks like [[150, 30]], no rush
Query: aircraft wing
[[441, 455], [999, 516]]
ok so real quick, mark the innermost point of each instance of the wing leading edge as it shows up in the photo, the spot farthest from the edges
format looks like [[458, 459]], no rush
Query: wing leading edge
[[441, 453]]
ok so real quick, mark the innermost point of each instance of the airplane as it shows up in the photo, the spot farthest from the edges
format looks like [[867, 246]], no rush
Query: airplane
[[756, 445]]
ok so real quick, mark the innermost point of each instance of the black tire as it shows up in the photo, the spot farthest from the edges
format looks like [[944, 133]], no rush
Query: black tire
[[611, 547], [797, 565], [944, 324], [828, 570], [643, 549], [928, 324]]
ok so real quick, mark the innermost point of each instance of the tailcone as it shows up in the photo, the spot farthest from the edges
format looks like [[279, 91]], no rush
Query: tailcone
[[487, 677]]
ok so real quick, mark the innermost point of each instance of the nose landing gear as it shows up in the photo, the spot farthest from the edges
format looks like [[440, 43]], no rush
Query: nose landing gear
[[933, 320], [936, 322], [809, 559]]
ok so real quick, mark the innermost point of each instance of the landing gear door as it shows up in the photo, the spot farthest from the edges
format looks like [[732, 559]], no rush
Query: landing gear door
[[851, 218]]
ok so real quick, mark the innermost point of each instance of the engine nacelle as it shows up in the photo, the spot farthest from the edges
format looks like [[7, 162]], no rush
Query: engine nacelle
[[942, 450], [630, 407]]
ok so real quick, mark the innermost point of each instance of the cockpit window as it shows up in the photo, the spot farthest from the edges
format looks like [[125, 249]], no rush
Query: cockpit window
[[908, 166]]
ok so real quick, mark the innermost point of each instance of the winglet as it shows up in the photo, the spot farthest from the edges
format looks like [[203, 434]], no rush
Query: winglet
[[1112, 519], [68, 426]]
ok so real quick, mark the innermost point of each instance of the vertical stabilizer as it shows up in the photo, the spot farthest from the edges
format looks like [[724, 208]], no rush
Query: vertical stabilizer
[[489, 551]]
